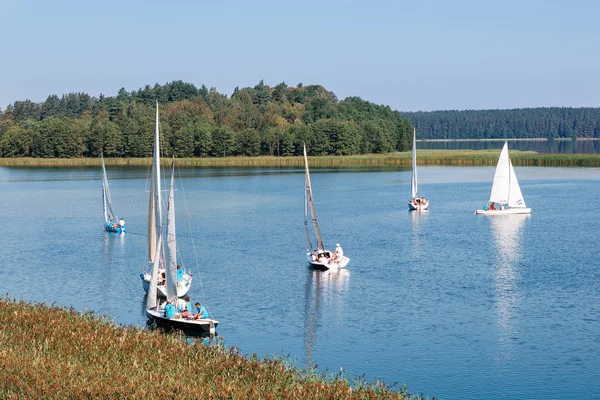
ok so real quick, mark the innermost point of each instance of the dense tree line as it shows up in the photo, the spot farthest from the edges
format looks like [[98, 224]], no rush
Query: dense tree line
[[553, 122], [198, 122]]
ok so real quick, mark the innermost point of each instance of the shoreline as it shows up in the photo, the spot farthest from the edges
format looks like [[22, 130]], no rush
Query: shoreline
[[57, 352], [424, 157]]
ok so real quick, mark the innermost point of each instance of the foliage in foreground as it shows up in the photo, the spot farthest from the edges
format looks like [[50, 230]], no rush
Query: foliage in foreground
[[425, 157], [53, 352]]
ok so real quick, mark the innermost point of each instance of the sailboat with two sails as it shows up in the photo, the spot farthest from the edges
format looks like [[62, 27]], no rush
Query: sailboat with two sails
[[505, 190], [318, 257], [111, 224], [167, 255], [155, 226], [416, 203]]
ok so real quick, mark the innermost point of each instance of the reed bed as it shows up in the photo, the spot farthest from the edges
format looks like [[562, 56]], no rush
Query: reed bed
[[425, 157], [54, 353]]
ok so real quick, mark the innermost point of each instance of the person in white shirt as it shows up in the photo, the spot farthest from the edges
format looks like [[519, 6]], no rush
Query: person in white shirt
[[121, 223], [338, 252]]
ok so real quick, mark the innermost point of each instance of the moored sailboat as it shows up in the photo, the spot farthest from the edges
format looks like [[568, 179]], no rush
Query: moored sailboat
[[416, 203], [318, 257], [506, 196], [155, 225], [111, 222]]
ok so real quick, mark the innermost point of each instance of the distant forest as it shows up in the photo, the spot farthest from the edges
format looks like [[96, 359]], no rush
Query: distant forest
[[553, 122], [198, 122]]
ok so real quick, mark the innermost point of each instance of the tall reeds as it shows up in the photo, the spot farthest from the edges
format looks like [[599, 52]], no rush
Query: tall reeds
[[53, 352], [425, 157]]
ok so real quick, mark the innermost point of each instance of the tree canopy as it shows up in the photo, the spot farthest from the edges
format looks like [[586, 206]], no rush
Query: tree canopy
[[551, 123], [201, 122]]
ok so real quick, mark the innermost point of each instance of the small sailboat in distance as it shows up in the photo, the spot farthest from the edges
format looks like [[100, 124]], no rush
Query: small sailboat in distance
[[505, 190], [416, 203], [110, 220], [318, 257]]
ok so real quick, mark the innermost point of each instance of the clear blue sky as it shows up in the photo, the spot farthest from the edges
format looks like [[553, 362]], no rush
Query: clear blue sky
[[411, 55]]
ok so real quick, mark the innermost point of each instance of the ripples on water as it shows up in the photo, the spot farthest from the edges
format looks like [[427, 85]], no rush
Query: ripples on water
[[453, 304]]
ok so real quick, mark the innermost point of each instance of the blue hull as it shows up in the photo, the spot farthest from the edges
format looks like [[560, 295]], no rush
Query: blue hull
[[117, 229]]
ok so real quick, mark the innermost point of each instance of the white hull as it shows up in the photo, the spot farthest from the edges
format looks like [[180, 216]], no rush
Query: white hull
[[184, 324], [506, 211], [417, 207], [332, 264], [182, 287]]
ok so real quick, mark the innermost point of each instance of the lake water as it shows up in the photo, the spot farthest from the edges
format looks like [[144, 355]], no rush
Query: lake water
[[454, 305], [539, 146]]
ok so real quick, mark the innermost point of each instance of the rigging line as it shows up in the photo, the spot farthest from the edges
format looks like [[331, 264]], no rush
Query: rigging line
[[187, 211]]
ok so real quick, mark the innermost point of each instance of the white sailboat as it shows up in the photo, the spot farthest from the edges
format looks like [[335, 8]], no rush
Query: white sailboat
[[416, 203], [318, 257], [156, 311], [111, 222], [155, 224], [506, 196]]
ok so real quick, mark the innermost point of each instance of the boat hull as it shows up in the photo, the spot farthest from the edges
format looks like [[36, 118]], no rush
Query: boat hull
[[506, 211], [182, 287], [418, 207], [190, 326], [118, 229], [334, 264]]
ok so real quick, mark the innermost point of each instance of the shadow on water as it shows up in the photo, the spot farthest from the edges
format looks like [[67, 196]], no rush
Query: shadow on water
[[321, 290]]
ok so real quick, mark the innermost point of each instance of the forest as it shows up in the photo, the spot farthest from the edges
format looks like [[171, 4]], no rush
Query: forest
[[550, 123], [201, 122]]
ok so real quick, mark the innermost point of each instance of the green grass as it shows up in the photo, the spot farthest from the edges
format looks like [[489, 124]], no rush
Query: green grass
[[55, 353], [425, 157]]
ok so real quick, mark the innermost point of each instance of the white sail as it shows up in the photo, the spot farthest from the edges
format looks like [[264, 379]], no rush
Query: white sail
[[152, 297], [306, 233], [311, 205], [171, 249], [154, 205], [515, 197], [106, 199], [414, 183], [501, 185]]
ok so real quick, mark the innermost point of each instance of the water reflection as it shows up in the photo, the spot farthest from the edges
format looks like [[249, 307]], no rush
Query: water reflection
[[418, 219], [321, 292], [508, 236]]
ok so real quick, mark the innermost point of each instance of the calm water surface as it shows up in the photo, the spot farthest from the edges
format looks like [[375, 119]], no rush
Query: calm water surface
[[452, 304]]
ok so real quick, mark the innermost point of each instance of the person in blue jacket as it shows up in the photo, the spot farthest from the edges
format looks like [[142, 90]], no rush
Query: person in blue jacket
[[169, 310], [180, 274], [201, 312]]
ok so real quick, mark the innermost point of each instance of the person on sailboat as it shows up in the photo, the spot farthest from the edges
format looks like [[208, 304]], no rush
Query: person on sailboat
[[338, 252], [187, 309], [180, 274], [169, 310], [121, 222], [201, 312]]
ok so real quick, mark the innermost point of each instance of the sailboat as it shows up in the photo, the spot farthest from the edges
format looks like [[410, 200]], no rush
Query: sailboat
[[318, 257], [155, 225], [154, 310], [110, 220], [505, 190], [416, 203]]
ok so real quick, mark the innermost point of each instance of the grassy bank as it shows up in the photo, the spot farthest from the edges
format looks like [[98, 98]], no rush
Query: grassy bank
[[425, 157], [51, 352]]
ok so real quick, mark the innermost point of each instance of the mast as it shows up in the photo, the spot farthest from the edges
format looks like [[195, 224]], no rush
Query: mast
[[413, 181], [313, 213], [306, 234], [154, 206], [171, 249]]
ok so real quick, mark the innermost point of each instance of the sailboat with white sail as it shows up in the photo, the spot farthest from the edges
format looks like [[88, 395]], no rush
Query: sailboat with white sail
[[416, 203], [155, 311], [155, 226], [505, 190], [318, 257], [111, 222]]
